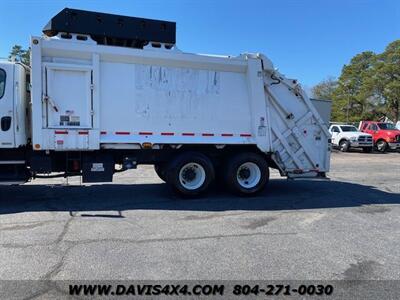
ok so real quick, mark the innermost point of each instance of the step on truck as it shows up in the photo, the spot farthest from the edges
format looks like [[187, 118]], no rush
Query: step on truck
[[105, 93]]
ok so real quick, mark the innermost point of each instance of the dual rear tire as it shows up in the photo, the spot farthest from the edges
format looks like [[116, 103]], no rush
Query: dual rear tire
[[246, 173], [192, 173]]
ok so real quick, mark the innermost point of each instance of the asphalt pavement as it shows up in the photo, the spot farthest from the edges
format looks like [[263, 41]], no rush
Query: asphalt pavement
[[135, 228]]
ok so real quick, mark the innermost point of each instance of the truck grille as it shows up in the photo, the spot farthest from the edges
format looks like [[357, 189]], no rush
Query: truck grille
[[365, 138]]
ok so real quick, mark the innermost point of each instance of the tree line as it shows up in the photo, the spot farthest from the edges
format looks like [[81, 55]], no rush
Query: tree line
[[367, 89], [19, 54]]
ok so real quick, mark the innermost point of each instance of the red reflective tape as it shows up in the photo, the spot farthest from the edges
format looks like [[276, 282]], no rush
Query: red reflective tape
[[207, 134], [188, 134], [83, 132], [245, 134], [145, 133], [227, 134], [123, 133], [61, 132], [103, 132], [167, 133]]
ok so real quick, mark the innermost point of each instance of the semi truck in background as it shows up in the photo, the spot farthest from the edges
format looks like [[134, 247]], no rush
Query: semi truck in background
[[107, 93]]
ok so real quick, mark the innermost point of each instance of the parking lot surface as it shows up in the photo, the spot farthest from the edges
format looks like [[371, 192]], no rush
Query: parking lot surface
[[135, 228]]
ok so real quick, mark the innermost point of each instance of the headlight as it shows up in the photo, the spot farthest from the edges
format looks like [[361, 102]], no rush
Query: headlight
[[353, 138]]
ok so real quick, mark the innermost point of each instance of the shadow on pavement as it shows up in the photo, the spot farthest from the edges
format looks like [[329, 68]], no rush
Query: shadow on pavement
[[279, 195]]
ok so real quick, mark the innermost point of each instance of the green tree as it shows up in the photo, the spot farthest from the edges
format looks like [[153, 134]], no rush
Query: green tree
[[325, 89], [19, 54], [387, 80], [368, 87], [353, 99]]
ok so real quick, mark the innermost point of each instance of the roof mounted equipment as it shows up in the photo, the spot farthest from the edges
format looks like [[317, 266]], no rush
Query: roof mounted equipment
[[114, 30]]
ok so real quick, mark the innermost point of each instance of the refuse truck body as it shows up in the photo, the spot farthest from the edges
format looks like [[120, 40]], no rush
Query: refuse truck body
[[93, 104]]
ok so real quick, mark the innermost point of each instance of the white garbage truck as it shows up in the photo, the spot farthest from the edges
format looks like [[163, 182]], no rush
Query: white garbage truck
[[105, 93]]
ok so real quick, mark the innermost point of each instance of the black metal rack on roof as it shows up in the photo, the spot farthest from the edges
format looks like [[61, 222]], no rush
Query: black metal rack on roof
[[113, 30]]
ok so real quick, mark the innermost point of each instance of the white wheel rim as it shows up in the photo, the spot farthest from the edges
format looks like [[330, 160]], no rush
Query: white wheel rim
[[192, 176], [248, 175]]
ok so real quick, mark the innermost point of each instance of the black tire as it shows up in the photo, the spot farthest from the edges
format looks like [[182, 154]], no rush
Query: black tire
[[234, 166], [161, 171], [182, 163], [367, 149], [381, 146], [344, 146]]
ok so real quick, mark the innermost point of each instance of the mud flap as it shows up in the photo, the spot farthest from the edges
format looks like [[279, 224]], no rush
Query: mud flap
[[97, 168]]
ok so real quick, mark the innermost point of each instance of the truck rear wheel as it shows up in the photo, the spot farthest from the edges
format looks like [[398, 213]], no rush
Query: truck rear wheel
[[161, 171], [190, 174], [246, 173]]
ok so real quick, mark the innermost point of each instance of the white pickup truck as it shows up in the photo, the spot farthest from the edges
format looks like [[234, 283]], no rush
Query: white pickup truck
[[345, 137]]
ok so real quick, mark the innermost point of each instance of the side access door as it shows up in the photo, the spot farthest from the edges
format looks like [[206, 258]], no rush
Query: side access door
[[68, 100], [7, 137], [68, 96]]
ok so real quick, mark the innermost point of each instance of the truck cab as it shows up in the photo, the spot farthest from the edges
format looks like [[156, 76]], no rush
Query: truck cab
[[13, 105], [385, 135], [14, 119], [345, 137]]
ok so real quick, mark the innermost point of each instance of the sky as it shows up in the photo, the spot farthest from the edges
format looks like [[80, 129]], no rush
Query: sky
[[309, 40]]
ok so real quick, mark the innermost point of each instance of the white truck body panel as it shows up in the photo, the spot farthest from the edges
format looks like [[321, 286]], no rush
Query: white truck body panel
[[88, 97]]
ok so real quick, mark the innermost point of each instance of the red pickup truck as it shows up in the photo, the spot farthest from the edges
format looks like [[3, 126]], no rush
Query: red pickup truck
[[384, 135]]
